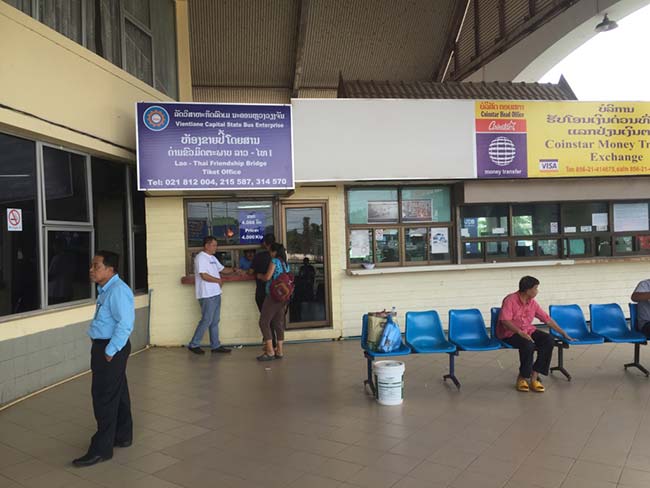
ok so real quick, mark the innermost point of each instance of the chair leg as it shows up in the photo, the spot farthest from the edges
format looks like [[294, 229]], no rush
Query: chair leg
[[561, 346], [637, 361], [369, 382], [452, 375]]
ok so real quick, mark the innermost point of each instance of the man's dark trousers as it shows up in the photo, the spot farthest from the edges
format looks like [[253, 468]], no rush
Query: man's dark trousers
[[111, 402], [543, 343]]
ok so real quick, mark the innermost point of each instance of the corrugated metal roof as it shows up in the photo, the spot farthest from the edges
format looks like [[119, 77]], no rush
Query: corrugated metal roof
[[241, 94], [243, 43], [374, 38], [456, 90]]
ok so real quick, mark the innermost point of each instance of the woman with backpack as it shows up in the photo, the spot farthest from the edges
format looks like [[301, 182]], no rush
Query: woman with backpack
[[279, 283]]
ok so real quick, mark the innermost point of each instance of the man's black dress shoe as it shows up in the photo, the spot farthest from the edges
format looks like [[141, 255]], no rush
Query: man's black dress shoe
[[196, 350], [89, 460], [123, 444], [222, 349]]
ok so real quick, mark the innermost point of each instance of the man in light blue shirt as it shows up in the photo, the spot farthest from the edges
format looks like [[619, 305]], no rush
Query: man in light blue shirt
[[109, 332]]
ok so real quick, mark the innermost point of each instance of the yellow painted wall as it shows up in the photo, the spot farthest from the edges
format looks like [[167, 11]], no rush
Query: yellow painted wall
[[442, 290], [175, 310], [45, 74], [52, 77]]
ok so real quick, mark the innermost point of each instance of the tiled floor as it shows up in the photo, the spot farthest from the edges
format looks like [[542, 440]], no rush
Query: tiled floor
[[306, 422]]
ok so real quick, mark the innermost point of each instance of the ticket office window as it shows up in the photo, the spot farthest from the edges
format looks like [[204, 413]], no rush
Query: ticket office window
[[238, 225], [571, 230], [399, 226]]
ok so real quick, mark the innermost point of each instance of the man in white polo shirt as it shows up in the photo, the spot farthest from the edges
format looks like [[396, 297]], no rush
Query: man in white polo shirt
[[207, 280]]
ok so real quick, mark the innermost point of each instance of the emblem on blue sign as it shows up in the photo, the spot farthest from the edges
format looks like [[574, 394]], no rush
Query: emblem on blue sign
[[156, 118]]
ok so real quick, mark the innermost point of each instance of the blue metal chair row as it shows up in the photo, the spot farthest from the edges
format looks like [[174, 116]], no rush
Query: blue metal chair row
[[467, 332]]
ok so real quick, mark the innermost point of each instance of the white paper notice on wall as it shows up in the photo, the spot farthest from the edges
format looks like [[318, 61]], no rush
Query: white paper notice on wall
[[554, 227], [585, 228], [379, 234], [359, 244], [630, 217], [498, 230], [568, 230], [439, 241], [14, 219], [464, 232], [599, 220]]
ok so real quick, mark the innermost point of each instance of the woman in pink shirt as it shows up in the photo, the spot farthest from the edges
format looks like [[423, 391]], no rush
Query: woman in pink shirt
[[516, 327]]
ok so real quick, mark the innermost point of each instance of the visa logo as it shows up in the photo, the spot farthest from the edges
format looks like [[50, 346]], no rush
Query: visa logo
[[549, 165]]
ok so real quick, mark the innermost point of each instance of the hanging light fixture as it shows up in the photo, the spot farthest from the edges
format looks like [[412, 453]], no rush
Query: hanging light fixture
[[606, 25]]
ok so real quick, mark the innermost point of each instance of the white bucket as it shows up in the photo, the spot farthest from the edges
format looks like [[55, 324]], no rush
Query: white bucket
[[389, 379]]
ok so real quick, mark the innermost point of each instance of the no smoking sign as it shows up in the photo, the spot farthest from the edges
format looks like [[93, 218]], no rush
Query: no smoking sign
[[14, 219]]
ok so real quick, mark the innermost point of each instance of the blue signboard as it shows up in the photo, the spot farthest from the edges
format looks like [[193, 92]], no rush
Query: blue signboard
[[201, 146], [251, 227]]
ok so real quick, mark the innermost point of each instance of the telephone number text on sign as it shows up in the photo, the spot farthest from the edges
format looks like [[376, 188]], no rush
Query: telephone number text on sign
[[216, 182]]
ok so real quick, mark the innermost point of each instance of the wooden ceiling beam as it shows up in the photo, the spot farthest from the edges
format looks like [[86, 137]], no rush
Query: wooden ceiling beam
[[299, 63], [457, 18]]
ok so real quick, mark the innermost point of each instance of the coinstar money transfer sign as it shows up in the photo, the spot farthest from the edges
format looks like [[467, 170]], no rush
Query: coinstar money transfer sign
[[516, 139], [197, 146]]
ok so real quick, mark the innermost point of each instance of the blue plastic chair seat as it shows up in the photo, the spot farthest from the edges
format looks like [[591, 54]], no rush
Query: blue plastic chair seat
[[583, 339], [425, 335], [490, 344], [572, 320], [402, 351], [494, 319], [609, 321], [428, 346]]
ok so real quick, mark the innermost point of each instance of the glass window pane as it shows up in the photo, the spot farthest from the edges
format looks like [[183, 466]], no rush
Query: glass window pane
[[603, 246], [524, 249], [360, 246], [547, 247], [484, 220], [416, 244], [426, 205], [372, 206], [103, 30], [19, 250], [68, 261], [534, 220], [496, 249], [65, 185], [163, 28], [387, 242], [109, 211], [585, 217], [138, 53], [137, 200], [225, 258], [140, 253], [231, 222], [64, 16], [577, 247], [439, 247], [631, 217], [139, 9], [473, 250], [24, 5], [624, 244]]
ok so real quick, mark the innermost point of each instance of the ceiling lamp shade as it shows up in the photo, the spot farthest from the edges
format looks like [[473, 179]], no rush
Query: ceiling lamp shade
[[606, 25]]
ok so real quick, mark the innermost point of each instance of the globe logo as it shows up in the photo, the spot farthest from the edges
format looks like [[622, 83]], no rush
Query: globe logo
[[155, 118], [502, 151]]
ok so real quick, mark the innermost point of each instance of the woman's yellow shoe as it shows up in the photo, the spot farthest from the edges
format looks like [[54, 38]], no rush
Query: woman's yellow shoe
[[537, 386], [522, 385]]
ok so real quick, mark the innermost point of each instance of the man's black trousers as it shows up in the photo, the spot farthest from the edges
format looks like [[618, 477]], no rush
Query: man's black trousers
[[543, 343], [111, 402]]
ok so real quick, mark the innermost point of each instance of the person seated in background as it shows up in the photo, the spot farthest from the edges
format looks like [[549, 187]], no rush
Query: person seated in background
[[246, 261], [516, 328], [641, 296]]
